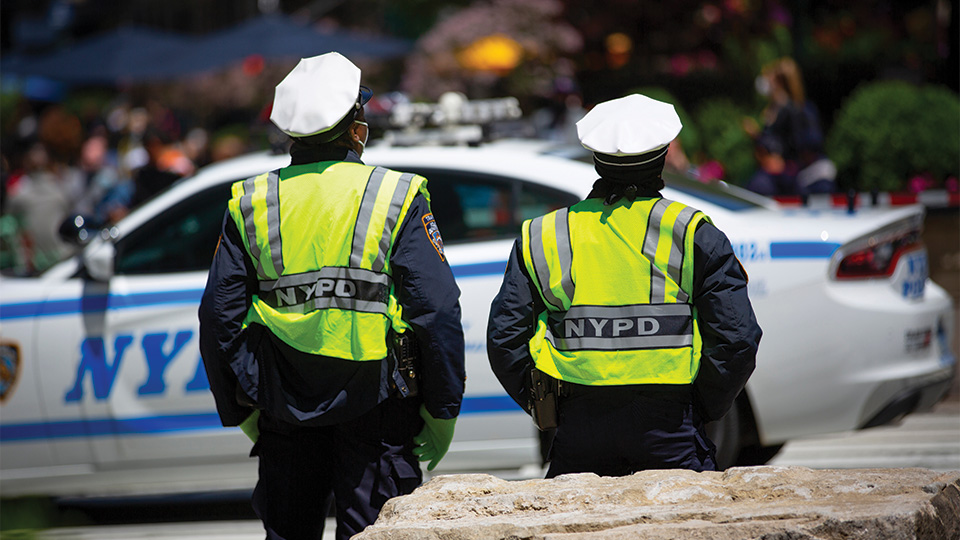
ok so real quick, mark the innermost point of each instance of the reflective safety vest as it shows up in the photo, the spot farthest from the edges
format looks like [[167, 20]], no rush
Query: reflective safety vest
[[617, 283], [320, 236]]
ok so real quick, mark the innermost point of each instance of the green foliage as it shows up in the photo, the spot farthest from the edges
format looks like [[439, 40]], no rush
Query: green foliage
[[748, 56], [888, 132], [690, 134], [8, 106], [778, 45], [89, 103], [725, 140], [412, 18]]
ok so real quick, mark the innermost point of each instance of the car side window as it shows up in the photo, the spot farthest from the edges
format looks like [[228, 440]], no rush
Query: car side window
[[473, 209], [534, 200], [473, 206], [181, 239]]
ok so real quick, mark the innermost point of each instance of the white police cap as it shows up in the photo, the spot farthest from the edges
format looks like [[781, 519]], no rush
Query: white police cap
[[321, 95], [629, 130]]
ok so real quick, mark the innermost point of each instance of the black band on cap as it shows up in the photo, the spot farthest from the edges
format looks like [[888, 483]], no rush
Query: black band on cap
[[631, 160], [636, 169]]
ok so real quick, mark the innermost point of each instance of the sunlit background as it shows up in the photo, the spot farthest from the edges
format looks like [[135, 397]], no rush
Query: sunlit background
[[92, 91], [70, 66]]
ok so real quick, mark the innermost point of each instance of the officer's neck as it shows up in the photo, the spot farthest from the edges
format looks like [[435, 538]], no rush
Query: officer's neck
[[301, 153]]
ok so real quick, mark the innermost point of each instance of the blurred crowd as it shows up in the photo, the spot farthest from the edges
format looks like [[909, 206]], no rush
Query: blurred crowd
[[56, 165]]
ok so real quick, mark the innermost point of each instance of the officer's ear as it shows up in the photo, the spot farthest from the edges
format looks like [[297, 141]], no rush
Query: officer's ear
[[359, 124], [356, 132]]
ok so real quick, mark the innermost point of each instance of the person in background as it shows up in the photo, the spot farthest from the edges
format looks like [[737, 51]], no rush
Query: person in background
[[630, 309], [329, 275], [100, 178], [792, 124], [165, 165], [771, 177], [40, 201]]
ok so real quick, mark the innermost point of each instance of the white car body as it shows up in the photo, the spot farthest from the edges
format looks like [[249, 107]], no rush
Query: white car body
[[108, 394]]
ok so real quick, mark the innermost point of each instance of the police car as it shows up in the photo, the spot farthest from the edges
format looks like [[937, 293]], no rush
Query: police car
[[104, 392]]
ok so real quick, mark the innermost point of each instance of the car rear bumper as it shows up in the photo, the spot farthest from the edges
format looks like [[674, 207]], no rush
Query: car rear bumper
[[910, 401], [867, 357], [917, 394]]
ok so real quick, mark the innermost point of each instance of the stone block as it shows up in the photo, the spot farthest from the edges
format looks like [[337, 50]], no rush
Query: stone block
[[769, 503]]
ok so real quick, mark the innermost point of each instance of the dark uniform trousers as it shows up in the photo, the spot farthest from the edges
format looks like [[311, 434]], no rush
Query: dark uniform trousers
[[360, 462], [619, 430]]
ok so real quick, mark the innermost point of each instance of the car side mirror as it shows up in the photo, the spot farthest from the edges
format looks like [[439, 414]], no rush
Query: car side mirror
[[78, 230], [98, 259]]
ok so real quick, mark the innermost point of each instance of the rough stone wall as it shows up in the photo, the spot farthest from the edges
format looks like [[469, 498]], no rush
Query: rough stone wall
[[769, 503]]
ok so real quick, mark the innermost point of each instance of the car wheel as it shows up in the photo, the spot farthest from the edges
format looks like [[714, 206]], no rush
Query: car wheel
[[725, 434]]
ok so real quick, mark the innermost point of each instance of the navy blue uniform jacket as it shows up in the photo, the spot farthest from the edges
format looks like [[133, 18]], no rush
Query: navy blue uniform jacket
[[251, 368], [726, 320]]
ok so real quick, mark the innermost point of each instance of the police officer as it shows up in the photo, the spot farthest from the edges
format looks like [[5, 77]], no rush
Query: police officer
[[636, 304], [320, 267]]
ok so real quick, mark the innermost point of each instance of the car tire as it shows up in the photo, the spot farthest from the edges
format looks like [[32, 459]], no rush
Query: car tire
[[725, 434]]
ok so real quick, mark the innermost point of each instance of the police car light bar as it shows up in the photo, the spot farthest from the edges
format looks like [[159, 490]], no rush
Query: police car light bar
[[454, 120], [451, 135], [455, 109]]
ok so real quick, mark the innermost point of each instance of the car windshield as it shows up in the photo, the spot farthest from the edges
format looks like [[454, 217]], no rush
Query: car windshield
[[721, 194]]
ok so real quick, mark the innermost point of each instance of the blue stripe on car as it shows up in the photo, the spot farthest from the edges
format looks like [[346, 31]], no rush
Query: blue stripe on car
[[101, 302], [802, 250], [149, 425], [95, 303], [479, 269]]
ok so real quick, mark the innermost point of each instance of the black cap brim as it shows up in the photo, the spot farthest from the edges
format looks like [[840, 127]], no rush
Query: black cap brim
[[365, 95]]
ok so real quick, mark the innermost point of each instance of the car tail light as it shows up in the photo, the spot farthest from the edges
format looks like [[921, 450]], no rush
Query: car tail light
[[876, 255]]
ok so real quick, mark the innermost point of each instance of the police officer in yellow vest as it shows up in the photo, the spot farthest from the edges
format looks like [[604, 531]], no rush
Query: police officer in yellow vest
[[636, 304], [323, 267]]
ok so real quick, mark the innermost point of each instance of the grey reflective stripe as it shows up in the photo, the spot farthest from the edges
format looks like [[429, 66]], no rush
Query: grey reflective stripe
[[272, 203], [658, 283], [365, 214], [273, 221], [351, 304], [337, 302], [618, 343], [393, 214], [636, 326], [565, 253], [249, 223], [675, 265], [540, 265], [330, 272], [635, 310], [354, 289]]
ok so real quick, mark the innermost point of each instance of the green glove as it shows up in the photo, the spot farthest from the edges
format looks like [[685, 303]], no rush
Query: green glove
[[250, 427], [434, 440]]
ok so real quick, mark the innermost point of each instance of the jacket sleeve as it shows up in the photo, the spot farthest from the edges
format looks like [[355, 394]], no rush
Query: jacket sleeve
[[513, 316], [223, 341], [728, 326], [430, 300]]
